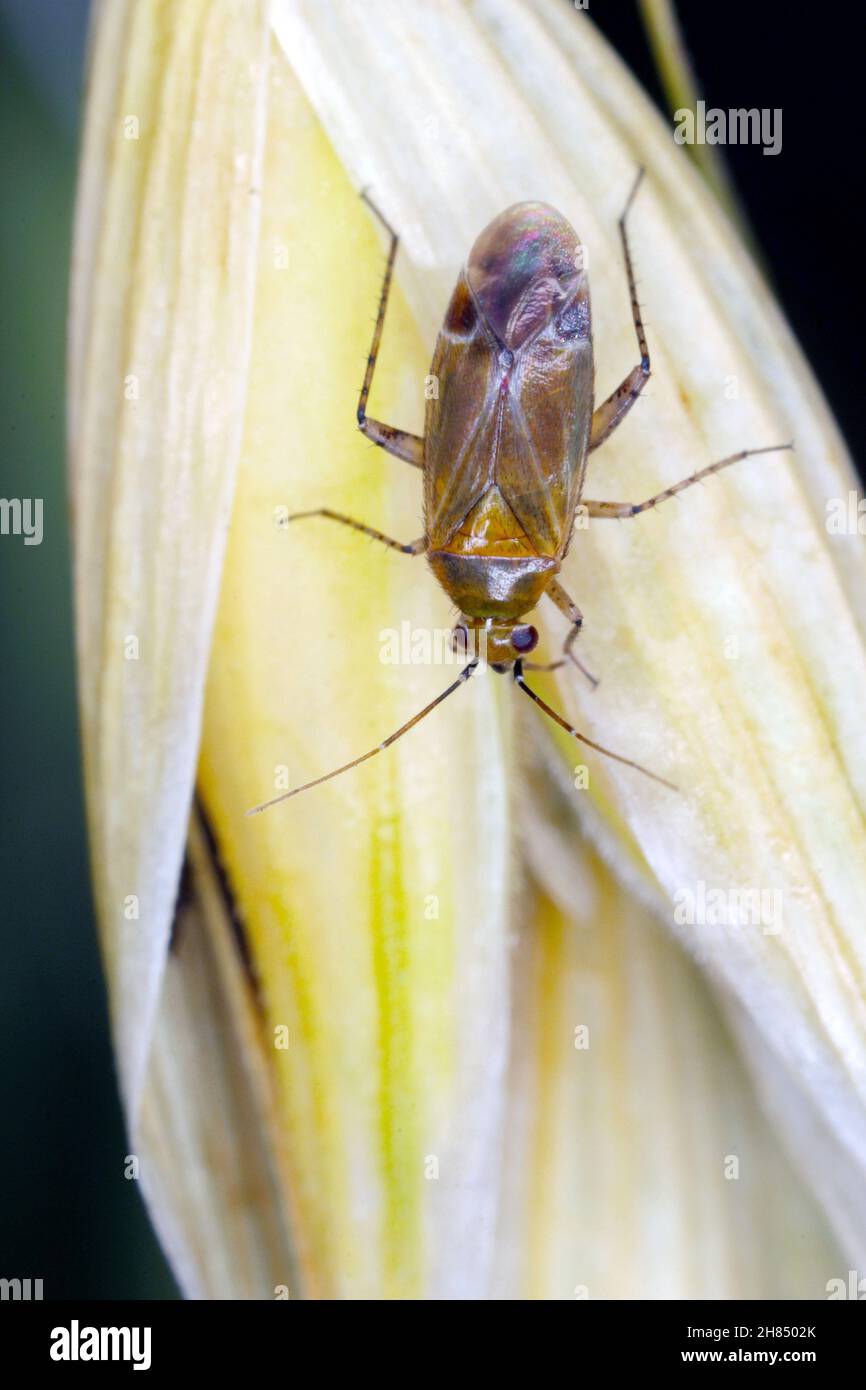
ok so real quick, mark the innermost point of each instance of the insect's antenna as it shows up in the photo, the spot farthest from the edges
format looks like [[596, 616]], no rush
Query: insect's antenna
[[569, 729], [392, 738]]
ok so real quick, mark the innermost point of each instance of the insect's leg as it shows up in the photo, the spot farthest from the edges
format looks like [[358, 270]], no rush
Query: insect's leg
[[567, 606], [575, 733], [404, 446], [614, 410], [386, 743], [623, 509], [413, 548], [407, 447]]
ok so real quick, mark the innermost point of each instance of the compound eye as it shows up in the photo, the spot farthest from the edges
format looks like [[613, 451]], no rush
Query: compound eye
[[524, 639]]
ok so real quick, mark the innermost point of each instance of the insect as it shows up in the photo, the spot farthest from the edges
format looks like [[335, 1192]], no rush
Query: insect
[[506, 444]]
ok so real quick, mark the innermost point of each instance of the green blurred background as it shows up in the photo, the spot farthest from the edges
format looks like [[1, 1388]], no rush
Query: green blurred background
[[67, 1214]]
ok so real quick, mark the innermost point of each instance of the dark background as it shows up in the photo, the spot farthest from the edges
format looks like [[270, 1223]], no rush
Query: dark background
[[67, 1215]]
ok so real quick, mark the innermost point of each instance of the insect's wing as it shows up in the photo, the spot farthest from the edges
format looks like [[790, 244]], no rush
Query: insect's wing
[[460, 427], [544, 435]]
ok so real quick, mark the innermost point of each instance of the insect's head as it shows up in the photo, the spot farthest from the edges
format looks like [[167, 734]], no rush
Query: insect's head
[[526, 270], [499, 644]]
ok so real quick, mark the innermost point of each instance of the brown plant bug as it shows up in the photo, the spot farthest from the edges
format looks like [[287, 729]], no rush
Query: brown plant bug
[[506, 444]]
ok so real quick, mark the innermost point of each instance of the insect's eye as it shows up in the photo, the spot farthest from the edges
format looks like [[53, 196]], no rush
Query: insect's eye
[[573, 322], [524, 638]]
